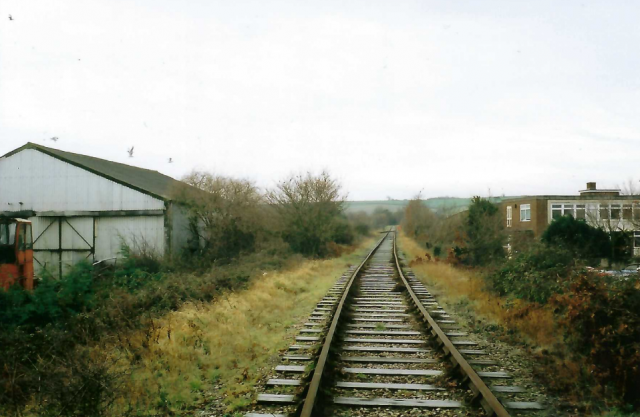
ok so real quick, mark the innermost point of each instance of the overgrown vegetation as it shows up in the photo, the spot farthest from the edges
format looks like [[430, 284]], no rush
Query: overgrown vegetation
[[51, 337], [582, 240], [217, 351], [228, 215], [544, 288], [41, 370], [535, 274], [309, 210], [54, 362], [484, 234], [601, 316], [422, 224], [231, 217]]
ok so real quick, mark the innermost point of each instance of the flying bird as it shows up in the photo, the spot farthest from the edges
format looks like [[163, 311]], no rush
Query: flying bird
[[170, 160], [10, 17], [55, 138], [130, 151]]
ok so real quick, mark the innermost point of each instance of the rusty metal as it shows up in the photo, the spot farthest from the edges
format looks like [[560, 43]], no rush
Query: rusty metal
[[316, 380], [481, 392], [16, 257]]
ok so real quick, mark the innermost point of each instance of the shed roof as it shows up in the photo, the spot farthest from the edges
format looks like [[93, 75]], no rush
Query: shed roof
[[143, 180]]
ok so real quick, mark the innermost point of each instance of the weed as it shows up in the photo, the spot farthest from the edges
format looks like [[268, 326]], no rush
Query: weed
[[195, 385], [214, 375], [238, 404], [380, 327]]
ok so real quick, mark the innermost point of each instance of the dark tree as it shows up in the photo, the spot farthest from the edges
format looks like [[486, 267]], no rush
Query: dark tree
[[484, 232]]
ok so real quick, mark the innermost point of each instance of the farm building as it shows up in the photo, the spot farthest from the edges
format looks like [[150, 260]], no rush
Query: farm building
[[85, 208]]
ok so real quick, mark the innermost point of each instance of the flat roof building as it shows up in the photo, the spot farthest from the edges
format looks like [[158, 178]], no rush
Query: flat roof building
[[605, 208]]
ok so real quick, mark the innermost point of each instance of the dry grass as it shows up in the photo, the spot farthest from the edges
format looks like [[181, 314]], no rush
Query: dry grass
[[462, 287], [218, 350], [558, 368]]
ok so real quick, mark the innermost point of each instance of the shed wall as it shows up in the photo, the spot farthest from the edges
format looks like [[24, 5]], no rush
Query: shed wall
[[60, 242], [182, 236], [140, 233], [44, 183]]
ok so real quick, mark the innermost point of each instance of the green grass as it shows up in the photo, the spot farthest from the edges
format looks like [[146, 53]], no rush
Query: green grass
[[380, 326]]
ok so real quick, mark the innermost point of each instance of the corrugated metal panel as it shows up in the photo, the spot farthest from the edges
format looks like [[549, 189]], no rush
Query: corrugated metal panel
[[181, 233], [57, 252], [44, 183], [45, 232], [57, 255], [77, 233], [138, 232], [48, 261]]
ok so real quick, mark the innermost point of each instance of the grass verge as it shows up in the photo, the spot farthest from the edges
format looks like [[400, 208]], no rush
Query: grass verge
[[466, 289], [212, 353], [570, 338]]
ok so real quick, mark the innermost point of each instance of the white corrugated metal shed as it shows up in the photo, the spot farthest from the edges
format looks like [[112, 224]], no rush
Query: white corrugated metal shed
[[86, 208]]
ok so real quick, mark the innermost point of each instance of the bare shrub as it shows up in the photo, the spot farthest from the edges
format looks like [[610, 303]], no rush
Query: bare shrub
[[310, 210], [419, 221], [434, 229], [227, 214], [602, 318]]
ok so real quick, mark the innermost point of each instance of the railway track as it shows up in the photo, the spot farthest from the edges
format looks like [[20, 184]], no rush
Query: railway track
[[379, 344]]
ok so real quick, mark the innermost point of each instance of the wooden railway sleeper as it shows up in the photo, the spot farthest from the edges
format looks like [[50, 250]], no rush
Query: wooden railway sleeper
[[493, 405]]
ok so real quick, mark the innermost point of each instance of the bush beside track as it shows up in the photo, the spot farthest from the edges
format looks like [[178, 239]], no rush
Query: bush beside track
[[583, 325]]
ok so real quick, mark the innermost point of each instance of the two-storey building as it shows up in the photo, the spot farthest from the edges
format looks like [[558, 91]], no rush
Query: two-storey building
[[605, 208]]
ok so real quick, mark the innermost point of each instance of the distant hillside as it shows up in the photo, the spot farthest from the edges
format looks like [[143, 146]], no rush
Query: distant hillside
[[451, 205], [371, 205]]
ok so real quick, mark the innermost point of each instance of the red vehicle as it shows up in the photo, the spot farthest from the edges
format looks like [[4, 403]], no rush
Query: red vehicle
[[16, 253]]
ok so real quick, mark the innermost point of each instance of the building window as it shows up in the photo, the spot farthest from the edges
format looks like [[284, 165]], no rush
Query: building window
[[604, 212], [559, 210], [626, 212], [592, 212], [525, 212], [636, 242], [636, 211], [509, 216], [616, 212], [568, 210], [580, 212]]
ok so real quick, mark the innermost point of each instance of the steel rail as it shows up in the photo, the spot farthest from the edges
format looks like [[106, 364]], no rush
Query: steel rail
[[316, 380], [489, 402]]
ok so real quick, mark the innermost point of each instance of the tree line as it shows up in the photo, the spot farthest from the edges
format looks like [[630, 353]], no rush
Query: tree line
[[233, 216]]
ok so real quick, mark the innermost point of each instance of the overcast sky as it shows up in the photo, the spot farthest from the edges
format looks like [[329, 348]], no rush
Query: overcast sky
[[392, 97]]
